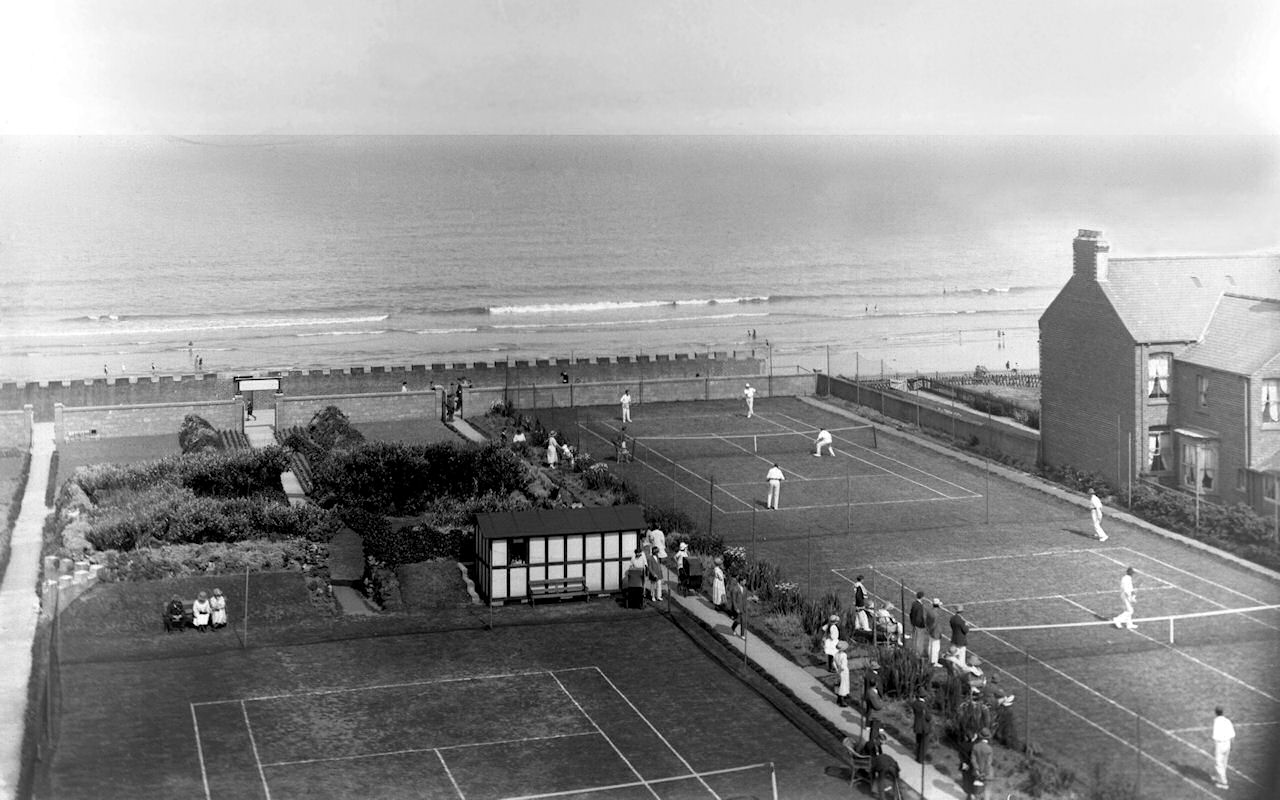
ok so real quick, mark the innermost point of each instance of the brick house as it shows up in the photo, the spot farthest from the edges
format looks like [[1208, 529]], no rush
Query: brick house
[[1166, 369]]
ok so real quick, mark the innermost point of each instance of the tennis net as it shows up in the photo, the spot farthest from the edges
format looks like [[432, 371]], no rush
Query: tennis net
[[1197, 626], [784, 443]]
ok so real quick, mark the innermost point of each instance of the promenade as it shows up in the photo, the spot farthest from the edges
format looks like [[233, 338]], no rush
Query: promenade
[[20, 610]]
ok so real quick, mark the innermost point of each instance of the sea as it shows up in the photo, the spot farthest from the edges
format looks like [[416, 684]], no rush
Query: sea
[[856, 255]]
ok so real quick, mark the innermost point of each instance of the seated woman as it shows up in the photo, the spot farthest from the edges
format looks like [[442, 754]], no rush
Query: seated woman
[[956, 666], [174, 615], [200, 613], [888, 627]]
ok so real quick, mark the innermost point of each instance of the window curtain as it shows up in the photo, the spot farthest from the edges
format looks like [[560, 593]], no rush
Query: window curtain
[[1271, 401], [1155, 451], [1158, 376]]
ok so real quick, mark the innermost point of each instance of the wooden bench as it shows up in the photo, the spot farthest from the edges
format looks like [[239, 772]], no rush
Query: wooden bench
[[559, 588]]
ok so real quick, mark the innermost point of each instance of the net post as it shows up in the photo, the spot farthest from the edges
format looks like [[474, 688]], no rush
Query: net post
[[711, 506], [245, 642], [1026, 684], [773, 780], [1170, 630]]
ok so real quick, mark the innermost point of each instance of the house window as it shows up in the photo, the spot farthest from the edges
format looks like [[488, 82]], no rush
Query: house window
[[1200, 466], [1269, 483], [1202, 390], [1157, 446], [1158, 375], [1271, 400]]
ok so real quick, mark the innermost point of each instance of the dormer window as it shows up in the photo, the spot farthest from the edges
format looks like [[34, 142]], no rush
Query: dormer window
[[1158, 366]]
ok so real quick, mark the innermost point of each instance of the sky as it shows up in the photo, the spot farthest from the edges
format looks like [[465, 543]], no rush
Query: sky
[[290, 67]]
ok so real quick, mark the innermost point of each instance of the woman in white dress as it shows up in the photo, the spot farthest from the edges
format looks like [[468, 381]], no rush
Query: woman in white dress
[[218, 606], [200, 613], [717, 583]]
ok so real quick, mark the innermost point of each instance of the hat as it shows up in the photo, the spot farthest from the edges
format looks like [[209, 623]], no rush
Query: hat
[[960, 608], [719, 560], [937, 602], [684, 545], [842, 645], [217, 591], [985, 733], [833, 618]]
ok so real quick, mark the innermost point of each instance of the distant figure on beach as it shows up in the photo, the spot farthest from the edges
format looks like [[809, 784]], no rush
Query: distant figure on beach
[[749, 394], [105, 371], [153, 368]]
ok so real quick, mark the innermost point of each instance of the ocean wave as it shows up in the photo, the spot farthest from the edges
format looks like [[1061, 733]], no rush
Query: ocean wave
[[190, 325], [620, 305], [616, 322], [445, 331], [341, 333]]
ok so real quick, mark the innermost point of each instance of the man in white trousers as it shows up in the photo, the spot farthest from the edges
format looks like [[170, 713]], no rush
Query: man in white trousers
[[626, 405], [1095, 511], [775, 478], [1128, 597], [749, 394], [823, 440]]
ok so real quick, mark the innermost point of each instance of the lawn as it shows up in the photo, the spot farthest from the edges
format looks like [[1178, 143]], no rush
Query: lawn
[[589, 694], [122, 450]]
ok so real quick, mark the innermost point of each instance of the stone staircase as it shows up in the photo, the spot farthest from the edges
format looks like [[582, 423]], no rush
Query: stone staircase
[[261, 432]]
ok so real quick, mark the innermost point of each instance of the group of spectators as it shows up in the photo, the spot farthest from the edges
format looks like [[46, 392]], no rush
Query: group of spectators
[[207, 612], [978, 709]]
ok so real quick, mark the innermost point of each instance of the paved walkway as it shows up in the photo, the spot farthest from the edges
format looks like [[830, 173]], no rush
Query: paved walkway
[[19, 610]]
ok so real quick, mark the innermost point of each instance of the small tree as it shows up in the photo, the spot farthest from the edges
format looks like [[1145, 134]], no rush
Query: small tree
[[196, 435]]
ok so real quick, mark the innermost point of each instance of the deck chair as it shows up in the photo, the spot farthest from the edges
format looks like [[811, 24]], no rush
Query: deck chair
[[859, 764]]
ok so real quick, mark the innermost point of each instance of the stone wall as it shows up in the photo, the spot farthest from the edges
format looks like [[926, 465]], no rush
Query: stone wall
[[108, 391], [141, 420], [15, 429], [962, 425]]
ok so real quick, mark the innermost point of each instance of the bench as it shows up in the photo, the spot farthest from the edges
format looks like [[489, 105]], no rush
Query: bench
[[559, 588]]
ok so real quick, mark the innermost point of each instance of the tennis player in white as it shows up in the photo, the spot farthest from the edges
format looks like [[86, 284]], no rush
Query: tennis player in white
[[1128, 597], [1095, 511], [775, 479], [823, 440], [750, 394]]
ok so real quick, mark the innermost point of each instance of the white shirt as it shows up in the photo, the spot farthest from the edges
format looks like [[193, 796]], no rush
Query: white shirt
[[1126, 585], [824, 436], [749, 392], [625, 400], [774, 474], [1223, 730], [1096, 502]]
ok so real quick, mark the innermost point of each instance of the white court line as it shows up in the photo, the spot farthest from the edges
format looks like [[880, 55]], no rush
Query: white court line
[[204, 775], [1182, 653], [584, 713], [1001, 557], [412, 750], [674, 752], [1197, 595], [634, 784], [1208, 728], [902, 464], [843, 505], [375, 687], [1158, 762], [666, 475], [448, 772], [254, 744]]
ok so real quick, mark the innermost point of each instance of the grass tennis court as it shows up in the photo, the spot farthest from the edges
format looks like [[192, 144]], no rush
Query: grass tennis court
[[587, 701], [908, 517]]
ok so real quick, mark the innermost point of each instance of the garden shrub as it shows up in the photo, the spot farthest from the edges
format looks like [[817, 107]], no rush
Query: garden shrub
[[399, 479], [195, 434], [214, 558], [331, 430], [238, 473], [51, 487]]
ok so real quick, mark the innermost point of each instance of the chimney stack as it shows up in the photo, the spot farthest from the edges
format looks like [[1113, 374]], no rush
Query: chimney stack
[[1091, 254]]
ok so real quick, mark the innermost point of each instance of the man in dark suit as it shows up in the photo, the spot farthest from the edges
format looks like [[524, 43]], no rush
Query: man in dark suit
[[921, 724]]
